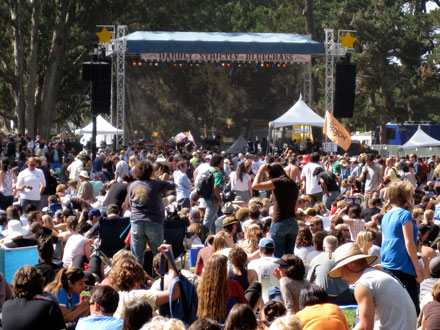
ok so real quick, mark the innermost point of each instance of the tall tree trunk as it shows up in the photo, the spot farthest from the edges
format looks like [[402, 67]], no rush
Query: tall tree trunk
[[52, 77], [32, 80], [14, 8], [310, 30]]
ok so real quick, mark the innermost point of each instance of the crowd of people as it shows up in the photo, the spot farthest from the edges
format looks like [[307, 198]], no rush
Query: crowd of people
[[282, 241]]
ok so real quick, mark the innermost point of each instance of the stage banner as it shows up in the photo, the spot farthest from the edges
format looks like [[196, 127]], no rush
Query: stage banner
[[336, 132], [230, 57]]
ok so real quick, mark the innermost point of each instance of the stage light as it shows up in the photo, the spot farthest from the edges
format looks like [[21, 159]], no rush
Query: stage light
[[284, 65], [223, 64], [272, 65], [278, 65], [150, 64], [134, 63], [267, 65], [180, 64], [139, 63], [262, 65], [174, 64], [156, 64]]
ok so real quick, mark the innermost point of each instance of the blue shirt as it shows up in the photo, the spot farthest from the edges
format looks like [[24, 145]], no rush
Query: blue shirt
[[99, 322], [68, 301], [393, 251], [97, 165]]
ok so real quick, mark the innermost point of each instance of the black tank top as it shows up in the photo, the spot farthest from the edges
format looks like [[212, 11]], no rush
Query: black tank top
[[242, 279]]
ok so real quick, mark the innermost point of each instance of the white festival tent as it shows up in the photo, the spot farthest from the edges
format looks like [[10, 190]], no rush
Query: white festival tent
[[298, 114], [104, 131], [420, 139]]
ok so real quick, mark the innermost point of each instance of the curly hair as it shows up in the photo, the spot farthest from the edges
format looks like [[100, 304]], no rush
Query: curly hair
[[143, 170], [28, 282], [126, 274], [212, 289], [304, 237]]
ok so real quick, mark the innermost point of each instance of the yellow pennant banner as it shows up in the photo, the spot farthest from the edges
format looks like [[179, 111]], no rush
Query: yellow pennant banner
[[336, 132]]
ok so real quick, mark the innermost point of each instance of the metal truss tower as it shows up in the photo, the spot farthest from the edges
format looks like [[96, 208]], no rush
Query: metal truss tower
[[121, 47]]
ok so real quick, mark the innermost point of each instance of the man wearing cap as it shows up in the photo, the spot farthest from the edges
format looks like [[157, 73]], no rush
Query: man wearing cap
[[31, 184], [383, 303], [85, 189], [265, 266], [310, 182], [230, 225]]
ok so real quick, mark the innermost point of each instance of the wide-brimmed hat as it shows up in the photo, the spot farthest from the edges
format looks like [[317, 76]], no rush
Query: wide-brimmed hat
[[228, 208], [346, 254], [229, 221], [15, 229], [84, 174]]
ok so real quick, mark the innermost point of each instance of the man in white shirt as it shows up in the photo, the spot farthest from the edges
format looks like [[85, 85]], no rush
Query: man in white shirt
[[121, 168], [265, 266], [77, 166], [31, 184], [311, 184], [256, 163]]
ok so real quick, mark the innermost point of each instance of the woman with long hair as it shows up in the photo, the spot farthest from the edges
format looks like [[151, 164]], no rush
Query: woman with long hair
[[304, 243], [284, 228], [6, 185], [241, 181], [67, 286], [216, 293]]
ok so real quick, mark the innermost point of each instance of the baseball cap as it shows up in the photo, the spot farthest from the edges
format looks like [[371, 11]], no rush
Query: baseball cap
[[94, 212], [266, 242], [194, 214]]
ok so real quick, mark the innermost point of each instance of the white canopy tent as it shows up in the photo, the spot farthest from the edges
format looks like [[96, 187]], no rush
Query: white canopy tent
[[420, 139], [104, 131], [298, 114]]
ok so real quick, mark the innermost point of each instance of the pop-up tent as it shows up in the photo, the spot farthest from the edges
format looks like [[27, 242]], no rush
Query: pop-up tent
[[240, 145], [420, 139], [104, 131], [299, 114]]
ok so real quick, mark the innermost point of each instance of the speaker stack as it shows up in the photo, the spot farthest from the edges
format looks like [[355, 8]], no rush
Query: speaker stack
[[99, 73], [344, 90]]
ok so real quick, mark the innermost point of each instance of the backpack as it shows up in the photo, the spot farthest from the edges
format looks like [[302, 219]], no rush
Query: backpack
[[185, 307], [205, 185]]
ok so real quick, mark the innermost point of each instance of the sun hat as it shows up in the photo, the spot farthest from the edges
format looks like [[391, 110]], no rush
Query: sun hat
[[84, 174], [346, 254], [15, 229], [228, 208], [229, 221]]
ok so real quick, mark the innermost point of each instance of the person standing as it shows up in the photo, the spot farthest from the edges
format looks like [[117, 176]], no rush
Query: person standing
[[31, 184], [311, 185], [147, 213], [399, 232], [121, 168], [284, 227], [215, 201], [6, 187], [329, 185], [372, 174], [183, 189], [241, 181]]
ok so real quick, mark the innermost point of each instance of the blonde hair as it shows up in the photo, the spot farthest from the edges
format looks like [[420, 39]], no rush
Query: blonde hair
[[163, 323], [197, 229], [428, 215], [220, 241], [132, 161], [437, 171], [48, 221], [418, 211], [212, 289], [400, 192], [362, 240], [287, 322]]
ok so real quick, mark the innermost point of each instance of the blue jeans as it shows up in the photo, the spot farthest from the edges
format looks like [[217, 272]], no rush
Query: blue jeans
[[284, 234], [143, 232], [210, 215], [26, 202], [327, 200]]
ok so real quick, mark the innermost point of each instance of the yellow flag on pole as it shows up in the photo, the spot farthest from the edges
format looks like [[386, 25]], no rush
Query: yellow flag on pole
[[336, 132]]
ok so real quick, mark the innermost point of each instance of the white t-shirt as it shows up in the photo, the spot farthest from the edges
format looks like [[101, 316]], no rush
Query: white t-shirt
[[34, 179], [74, 169], [256, 166], [265, 267], [74, 247], [122, 169], [312, 186], [237, 185], [201, 169]]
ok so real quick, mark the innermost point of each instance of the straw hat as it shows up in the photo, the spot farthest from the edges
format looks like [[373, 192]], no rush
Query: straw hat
[[84, 174], [345, 254]]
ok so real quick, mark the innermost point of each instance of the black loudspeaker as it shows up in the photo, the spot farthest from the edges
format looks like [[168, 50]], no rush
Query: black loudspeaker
[[96, 71], [344, 90], [101, 95]]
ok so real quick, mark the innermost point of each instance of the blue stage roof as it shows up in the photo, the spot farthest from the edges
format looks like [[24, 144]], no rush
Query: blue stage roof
[[142, 42]]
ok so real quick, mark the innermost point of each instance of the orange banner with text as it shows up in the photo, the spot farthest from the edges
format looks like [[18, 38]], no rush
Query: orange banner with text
[[336, 132]]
